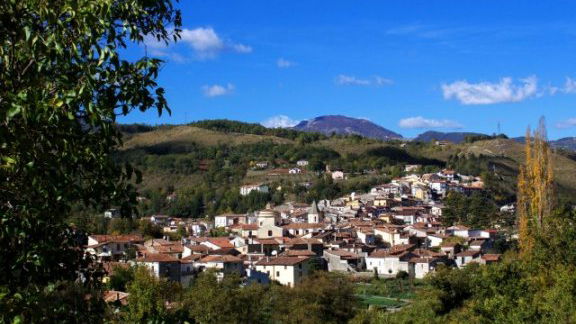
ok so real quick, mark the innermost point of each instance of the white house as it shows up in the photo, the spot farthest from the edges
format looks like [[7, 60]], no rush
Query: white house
[[338, 175], [288, 271], [466, 257], [295, 171], [246, 189], [390, 262], [420, 267], [302, 163], [226, 220]]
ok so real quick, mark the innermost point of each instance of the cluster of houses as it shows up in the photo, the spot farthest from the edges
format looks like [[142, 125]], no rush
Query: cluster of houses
[[394, 228]]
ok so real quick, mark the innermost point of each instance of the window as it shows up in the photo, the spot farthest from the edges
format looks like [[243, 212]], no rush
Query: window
[[285, 267], [117, 246], [300, 266], [277, 273], [270, 233]]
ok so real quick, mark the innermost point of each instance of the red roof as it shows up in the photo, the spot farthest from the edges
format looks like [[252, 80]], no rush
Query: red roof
[[221, 259], [287, 261], [157, 257], [126, 238]]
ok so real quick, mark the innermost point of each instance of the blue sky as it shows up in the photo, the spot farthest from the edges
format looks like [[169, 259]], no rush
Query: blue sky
[[409, 66]]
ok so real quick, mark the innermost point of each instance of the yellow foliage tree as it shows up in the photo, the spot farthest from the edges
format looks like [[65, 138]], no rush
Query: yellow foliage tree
[[535, 189]]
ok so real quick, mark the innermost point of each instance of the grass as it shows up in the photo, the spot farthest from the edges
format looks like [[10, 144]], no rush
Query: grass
[[389, 292]]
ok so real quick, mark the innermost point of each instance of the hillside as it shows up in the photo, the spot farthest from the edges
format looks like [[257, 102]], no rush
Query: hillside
[[454, 137], [346, 125], [566, 143], [181, 156]]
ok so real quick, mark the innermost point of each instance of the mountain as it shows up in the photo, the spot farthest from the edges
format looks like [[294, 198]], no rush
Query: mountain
[[454, 137], [567, 143], [346, 125]]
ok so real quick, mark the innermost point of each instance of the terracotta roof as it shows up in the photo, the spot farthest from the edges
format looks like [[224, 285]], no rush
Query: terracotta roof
[[221, 242], [298, 253], [157, 257], [109, 267], [344, 254], [191, 258], [469, 253], [287, 261], [300, 240], [492, 257], [111, 296], [220, 258], [199, 248], [303, 225], [126, 238]]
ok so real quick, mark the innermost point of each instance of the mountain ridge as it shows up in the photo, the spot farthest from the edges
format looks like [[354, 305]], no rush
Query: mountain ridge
[[344, 125]]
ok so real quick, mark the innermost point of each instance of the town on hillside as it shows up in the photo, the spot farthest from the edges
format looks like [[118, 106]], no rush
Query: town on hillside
[[396, 229]]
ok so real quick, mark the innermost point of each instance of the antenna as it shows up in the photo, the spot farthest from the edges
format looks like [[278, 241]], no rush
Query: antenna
[[498, 129]]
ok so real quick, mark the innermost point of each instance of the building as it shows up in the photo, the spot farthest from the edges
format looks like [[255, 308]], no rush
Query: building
[[338, 175], [246, 189], [227, 220], [112, 247], [302, 163], [288, 271], [268, 221]]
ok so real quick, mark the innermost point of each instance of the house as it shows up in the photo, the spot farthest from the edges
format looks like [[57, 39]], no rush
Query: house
[[161, 265], [297, 229], [450, 249], [246, 189], [245, 230], [466, 257], [117, 297], [491, 258], [412, 167], [338, 175], [459, 230], [225, 264], [216, 243], [421, 266], [112, 213], [342, 260], [227, 220], [302, 163], [295, 171], [391, 235], [390, 261], [262, 164], [288, 271], [112, 247], [160, 220], [442, 143]]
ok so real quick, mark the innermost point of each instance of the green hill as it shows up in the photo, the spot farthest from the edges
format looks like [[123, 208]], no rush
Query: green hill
[[223, 153]]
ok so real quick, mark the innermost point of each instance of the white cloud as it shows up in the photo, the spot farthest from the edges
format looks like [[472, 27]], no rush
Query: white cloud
[[376, 80], [421, 122], [204, 41], [568, 123], [280, 121], [485, 93], [570, 85], [284, 63], [217, 90]]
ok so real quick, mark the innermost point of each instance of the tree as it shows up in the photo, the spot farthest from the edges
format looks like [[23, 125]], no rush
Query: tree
[[148, 297], [535, 189], [63, 82]]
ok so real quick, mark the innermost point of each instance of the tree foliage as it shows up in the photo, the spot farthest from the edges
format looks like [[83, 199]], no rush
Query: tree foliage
[[63, 82]]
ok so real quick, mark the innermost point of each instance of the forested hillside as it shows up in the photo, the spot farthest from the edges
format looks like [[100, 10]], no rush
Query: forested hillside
[[208, 161]]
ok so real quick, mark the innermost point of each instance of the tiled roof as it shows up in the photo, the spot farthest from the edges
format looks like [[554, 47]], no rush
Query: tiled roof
[[220, 258], [157, 257], [287, 261], [126, 238]]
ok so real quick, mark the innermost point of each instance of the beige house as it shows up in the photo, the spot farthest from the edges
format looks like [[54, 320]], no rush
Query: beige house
[[288, 271]]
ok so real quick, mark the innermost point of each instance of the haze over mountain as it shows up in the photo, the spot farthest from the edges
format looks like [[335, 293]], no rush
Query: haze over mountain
[[346, 125]]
